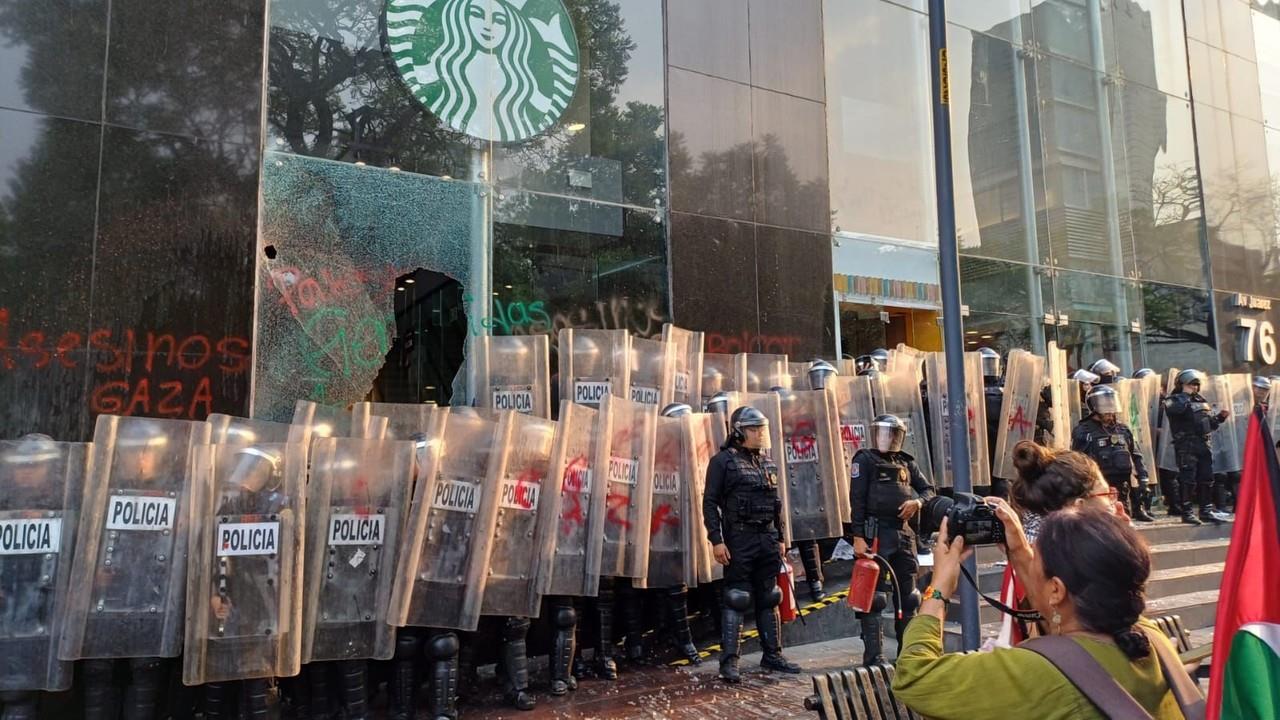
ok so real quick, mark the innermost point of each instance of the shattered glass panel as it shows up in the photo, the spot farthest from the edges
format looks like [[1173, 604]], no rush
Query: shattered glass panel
[[335, 237]]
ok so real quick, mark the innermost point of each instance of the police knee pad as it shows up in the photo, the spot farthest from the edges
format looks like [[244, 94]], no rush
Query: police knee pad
[[737, 599], [910, 603], [879, 602], [516, 628], [770, 599], [443, 646], [407, 646], [566, 617]]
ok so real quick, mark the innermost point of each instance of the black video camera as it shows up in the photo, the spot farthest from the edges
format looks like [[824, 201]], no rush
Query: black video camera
[[967, 517]]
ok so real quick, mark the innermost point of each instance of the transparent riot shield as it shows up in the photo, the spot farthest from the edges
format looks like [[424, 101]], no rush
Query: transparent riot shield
[[900, 396], [1134, 412], [812, 451], [687, 383], [699, 446], [238, 431], [626, 454], [405, 421], [761, 372], [1227, 392], [905, 358], [129, 574], [1241, 407], [1059, 404], [41, 482], [855, 411], [244, 577], [1024, 376], [523, 528], [444, 564], [1166, 455], [770, 404], [975, 418], [1075, 402], [719, 374], [669, 556], [594, 363], [652, 367], [512, 373], [312, 420], [357, 504], [570, 563]]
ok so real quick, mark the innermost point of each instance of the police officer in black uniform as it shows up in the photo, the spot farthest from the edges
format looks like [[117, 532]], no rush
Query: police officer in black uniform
[[1103, 437], [743, 515], [886, 493], [1191, 421]]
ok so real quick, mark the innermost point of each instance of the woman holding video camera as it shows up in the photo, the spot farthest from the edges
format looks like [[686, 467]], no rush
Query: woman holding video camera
[[1086, 575]]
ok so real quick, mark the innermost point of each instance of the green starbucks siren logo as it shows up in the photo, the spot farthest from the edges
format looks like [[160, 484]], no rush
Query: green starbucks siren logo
[[494, 69]]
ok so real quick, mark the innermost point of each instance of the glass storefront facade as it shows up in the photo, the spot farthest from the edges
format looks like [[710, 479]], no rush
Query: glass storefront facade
[[226, 209]]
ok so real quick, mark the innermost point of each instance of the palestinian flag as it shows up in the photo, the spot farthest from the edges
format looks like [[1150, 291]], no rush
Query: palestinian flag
[[1245, 684]]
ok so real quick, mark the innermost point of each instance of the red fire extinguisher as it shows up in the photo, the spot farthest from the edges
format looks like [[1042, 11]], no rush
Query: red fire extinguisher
[[786, 582], [863, 583]]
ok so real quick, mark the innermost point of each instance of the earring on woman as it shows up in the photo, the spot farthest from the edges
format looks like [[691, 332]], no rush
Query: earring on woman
[[1056, 620]]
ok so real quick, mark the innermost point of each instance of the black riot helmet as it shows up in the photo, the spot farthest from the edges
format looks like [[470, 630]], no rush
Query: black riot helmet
[[256, 469], [1107, 371], [1143, 372], [864, 365], [1189, 377], [888, 433], [1103, 400], [820, 371], [990, 364], [743, 418], [881, 357], [676, 410], [718, 403]]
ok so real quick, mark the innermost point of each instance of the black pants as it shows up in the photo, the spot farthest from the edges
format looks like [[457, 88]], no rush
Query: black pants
[[754, 561], [1121, 484], [1195, 475]]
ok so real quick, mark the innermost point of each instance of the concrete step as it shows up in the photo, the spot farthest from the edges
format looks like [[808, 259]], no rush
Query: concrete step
[[1197, 609], [1185, 554]]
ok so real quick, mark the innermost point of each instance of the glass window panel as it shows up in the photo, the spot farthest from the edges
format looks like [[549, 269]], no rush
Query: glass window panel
[[794, 276], [713, 280], [790, 146], [1204, 22], [1147, 43], [1005, 19], [1086, 343], [707, 36], [1085, 297], [1208, 74], [993, 140], [1002, 287], [1242, 88], [1266, 32], [786, 46], [711, 162], [1237, 28], [52, 56], [1002, 332], [1066, 28], [878, 128], [1176, 328]]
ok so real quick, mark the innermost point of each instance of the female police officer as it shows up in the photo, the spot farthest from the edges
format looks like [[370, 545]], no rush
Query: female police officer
[[743, 516]]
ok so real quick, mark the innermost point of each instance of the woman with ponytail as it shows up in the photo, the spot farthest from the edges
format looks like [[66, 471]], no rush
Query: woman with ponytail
[[1086, 575]]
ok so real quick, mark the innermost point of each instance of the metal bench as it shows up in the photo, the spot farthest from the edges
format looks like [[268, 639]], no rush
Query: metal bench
[[866, 693]]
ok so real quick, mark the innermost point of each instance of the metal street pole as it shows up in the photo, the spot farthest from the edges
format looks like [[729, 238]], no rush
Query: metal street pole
[[949, 274]]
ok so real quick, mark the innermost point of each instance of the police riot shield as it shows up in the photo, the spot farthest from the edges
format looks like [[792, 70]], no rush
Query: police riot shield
[[40, 493], [719, 374], [1024, 376], [512, 373], [699, 446], [670, 563], [1241, 407], [855, 410], [444, 564], [244, 576], [1075, 402], [1135, 406], [570, 563], [1228, 392], [905, 358], [129, 573], [1059, 408], [812, 451], [625, 452], [238, 431], [652, 371], [523, 528], [975, 419], [357, 504], [594, 363], [770, 405], [761, 372], [312, 420], [405, 421], [686, 386], [1166, 455], [900, 396]]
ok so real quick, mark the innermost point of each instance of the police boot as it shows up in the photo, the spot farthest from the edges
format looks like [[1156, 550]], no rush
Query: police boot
[[736, 602], [468, 673], [563, 646], [515, 663], [401, 684], [442, 653], [253, 699], [632, 602], [872, 639], [1207, 513], [1188, 491], [811, 557], [606, 668], [1172, 495], [143, 692], [355, 699], [1138, 499], [19, 705], [770, 626], [217, 701], [678, 597], [316, 676], [99, 690]]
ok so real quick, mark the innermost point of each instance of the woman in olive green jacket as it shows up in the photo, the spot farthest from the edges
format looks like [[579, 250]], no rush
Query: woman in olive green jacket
[[1086, 575]]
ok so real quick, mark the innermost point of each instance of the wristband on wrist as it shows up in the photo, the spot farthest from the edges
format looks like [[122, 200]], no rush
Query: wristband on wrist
[[933, 593]]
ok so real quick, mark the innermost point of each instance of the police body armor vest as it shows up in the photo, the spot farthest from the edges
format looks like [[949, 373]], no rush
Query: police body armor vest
[[1198, 423], [1108, 448], [755, 489], [890, 486]]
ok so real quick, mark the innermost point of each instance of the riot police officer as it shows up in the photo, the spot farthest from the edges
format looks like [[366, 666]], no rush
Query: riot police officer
[[1191, 421], [743, 516], [993, 398], [864, 365], [1107, 371], [880, 357], [1261, 392], [886, 493], [1110, 443], [820, 371]]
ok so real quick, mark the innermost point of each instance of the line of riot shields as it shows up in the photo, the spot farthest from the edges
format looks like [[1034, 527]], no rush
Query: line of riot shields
[[231, 551]]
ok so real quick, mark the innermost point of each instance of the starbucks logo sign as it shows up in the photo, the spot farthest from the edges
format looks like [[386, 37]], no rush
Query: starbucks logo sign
[[500, 70]]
